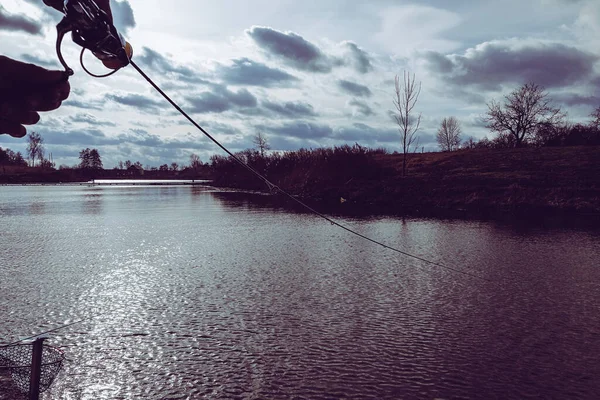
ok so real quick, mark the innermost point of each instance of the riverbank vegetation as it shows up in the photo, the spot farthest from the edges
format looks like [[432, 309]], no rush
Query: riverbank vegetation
[[481, 179], [537, 162]]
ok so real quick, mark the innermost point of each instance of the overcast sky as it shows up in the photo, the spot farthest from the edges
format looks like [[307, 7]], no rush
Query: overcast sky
[[306, 73]]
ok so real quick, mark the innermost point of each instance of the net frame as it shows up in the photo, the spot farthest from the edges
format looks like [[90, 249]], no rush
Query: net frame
[[17, 359]]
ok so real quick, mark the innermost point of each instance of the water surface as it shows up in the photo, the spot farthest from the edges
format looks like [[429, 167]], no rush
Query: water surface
[[197, 293]]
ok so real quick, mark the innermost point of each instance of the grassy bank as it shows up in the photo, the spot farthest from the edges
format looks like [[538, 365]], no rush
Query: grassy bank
[[541, 180]]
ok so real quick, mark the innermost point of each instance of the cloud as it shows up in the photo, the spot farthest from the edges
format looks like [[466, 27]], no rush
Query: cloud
[[244, 71], [290, 109], [302, 130], [139, 101], [410, 27], [161, 64], [490, 65], [10, 22], [42, 61], [86, 105], [576, 99], [354, 88], [123, 18], [361, 108], [358, 58], [90, 119], [293, 49], [221, 99], [77, 136]]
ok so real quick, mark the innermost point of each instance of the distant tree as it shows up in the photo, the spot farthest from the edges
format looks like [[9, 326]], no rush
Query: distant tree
[[128, 164], [4, 158], [405, 99], [163, 167], [138, 165], [195, 162], [522, 112], [35, 147], [596, 118], [448, 135], [46, 163], [174, 166], [18, 159], [469, 144], [85, 159], [261, 143], [95, 160], [120, 165]]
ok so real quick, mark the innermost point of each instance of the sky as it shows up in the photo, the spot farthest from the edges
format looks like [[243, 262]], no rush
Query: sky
[[306, 74]]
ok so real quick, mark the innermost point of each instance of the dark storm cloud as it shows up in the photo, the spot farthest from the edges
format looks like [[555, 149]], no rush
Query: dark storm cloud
[[361, 108], [493, 64], [358, 58], [85, 105], [82, 137], [90, 119], [141, 137], [302, 130], [221, 99], [576, 99], [43, 62], [144, 103], [122, 15], [293, 49], [163, 65], [290, 109], [244, 71], [354, 89], [11, 22]]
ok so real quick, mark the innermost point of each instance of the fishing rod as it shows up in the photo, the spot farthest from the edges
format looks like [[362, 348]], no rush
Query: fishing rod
[[93, 30]]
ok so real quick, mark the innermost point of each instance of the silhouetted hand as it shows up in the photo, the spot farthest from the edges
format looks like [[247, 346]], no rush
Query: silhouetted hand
[[26, 89]]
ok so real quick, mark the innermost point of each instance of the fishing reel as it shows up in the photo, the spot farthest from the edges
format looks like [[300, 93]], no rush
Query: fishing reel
[[92, 29]]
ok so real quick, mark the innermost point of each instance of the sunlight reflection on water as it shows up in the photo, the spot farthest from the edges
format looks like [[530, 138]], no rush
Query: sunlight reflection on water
[[194, 293]]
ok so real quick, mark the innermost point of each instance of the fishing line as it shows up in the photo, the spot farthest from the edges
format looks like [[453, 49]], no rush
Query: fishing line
[[274, 188]]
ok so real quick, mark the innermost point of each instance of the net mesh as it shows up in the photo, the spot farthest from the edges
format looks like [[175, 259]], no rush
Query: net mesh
[[17, 360]]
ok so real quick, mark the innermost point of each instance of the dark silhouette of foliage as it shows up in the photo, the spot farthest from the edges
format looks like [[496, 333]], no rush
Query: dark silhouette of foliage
[[35, 147], [522, 113], [595, 118], [90, 159], [9, 157], [195, 163], [327, 168]]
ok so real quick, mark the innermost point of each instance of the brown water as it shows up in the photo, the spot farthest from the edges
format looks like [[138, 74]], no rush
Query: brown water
[[195, 293]]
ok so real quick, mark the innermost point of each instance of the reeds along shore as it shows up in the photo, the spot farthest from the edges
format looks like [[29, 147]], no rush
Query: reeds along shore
[[544, 180], [541, 180]]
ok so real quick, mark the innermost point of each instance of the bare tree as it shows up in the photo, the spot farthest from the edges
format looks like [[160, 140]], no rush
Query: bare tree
[[448, 135], [596, 118], [195, 162], [35, 147], [405, 99], [261, 143], [522, 112]]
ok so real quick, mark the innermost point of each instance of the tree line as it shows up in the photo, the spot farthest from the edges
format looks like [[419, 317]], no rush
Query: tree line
[[525, 117]]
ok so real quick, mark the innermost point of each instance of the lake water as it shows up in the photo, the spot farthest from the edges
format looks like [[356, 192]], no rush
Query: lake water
[[197, 293]]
